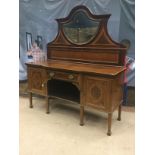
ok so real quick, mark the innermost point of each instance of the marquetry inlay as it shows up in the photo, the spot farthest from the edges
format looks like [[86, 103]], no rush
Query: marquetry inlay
[[95, 92], [37, 80]]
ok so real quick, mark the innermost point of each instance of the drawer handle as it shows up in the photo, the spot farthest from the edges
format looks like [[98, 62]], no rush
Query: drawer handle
[[52, 74], [71, 77], [43, 85]]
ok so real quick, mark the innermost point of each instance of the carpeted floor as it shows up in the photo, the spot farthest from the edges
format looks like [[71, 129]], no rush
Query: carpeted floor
[[59, 132]]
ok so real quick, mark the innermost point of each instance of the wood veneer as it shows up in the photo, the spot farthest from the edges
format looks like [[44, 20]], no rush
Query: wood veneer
[[91, 73]]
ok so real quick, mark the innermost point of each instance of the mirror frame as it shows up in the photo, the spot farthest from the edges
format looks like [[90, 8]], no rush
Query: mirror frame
[[79, 31]]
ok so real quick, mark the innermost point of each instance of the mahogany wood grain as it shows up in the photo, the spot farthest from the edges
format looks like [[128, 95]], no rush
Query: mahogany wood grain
[[90, 74], [30, 100], [119, 112], [47, 105], [109, 124], [80, 67], [81, 115]]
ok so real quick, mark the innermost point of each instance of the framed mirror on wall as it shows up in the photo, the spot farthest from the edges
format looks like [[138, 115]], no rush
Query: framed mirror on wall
[[40, 41], [28, 40], [19, 49]]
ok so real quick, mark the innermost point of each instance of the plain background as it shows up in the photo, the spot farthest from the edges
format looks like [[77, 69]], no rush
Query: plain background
[[145, 75]]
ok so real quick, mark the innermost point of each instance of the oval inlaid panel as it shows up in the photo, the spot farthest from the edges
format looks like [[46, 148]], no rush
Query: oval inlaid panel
[[37, 80], [95, 92]]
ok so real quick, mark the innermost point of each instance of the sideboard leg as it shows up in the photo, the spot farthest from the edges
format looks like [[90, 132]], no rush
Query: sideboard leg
[[109, 124], [47, 105], [81, 115], [119, 112], [30, 100]]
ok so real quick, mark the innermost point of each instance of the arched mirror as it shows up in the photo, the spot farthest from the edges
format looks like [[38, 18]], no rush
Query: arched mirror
[[81, 29]]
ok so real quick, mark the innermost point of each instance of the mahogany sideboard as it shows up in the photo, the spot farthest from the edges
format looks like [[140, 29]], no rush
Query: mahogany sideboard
[[83, 65]]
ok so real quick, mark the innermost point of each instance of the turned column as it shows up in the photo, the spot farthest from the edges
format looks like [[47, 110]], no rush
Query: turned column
[[81, 115], [119, 112], [30, 99], [47, 105], [109, 124]]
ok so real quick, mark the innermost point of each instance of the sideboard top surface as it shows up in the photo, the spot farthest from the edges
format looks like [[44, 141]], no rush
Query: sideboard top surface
[[80, 67]]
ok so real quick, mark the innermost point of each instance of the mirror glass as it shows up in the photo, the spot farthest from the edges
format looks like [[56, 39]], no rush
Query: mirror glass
[[80, 29]]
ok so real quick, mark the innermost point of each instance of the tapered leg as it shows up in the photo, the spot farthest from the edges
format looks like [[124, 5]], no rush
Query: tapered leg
[[30, 100], [47, 105], [109, 124], [119, 112], [81, 115]]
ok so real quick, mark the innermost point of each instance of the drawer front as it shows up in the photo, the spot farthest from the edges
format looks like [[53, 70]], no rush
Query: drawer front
[[36, 80], [97, 91], [63, 75]]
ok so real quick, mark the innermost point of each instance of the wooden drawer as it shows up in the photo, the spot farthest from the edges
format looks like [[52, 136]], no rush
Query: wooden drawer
[[67, 76], [97, 91], [36, 80]]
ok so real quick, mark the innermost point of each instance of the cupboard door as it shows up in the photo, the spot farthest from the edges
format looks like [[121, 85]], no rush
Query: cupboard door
[[36, 80], [97, 91]]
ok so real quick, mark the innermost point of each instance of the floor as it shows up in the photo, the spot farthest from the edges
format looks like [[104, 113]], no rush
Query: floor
[[59, 132]]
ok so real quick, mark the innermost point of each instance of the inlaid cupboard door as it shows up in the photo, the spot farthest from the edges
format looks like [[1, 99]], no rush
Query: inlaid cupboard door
[[97, 92], [37, 80]]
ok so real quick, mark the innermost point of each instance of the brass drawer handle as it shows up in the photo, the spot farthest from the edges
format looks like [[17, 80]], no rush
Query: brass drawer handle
[[71, 77], [52, 74], [43, 85]]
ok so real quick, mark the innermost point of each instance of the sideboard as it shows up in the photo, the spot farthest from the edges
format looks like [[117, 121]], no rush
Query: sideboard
[[83, 65]]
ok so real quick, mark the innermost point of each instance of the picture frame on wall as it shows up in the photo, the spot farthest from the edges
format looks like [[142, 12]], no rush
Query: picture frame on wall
[[40, 41], [19, 48], [28, 40]]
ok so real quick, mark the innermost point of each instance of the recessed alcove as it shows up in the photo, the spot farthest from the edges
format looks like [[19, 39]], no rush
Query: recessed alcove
[[63, 89]]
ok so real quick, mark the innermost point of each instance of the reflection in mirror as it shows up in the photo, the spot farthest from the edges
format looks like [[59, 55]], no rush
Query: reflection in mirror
[[81, 29]]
